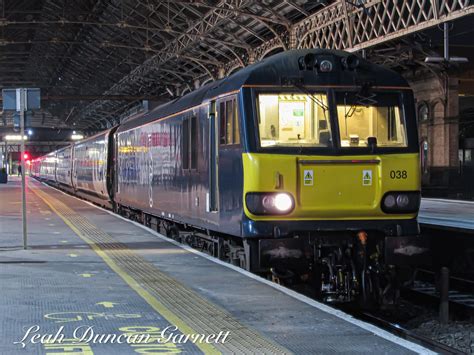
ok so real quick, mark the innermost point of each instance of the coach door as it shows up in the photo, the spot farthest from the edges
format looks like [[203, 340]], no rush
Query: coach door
[[212, 203], [150, 171]]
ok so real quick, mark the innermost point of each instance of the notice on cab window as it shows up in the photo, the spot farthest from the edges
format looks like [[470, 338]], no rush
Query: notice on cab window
[[291, 120]]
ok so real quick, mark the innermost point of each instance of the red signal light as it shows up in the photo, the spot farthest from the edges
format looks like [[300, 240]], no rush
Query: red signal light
[[26, 156]]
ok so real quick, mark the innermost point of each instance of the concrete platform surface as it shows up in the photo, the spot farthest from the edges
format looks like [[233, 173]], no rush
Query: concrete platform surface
[[452, 214], [92, 282]]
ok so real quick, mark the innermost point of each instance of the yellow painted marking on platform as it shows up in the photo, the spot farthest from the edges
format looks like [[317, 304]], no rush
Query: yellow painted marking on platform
[[107, 304], [147, 296], [86, 275], [68, 346], [73, 255], [67, 317]]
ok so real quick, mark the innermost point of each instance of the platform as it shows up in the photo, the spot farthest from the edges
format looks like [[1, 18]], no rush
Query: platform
[[449, 214], [87, 267]]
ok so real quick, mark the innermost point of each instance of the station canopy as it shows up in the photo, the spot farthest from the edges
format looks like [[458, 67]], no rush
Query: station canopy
[[96, 60]]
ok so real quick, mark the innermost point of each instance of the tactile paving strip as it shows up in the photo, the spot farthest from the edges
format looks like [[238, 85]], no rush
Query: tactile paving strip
[[180, 305]]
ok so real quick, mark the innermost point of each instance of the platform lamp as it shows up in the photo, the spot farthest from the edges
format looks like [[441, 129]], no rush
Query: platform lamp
[[21, 100]]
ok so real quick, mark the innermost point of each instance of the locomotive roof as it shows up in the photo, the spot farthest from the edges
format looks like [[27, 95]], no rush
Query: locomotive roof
[[271, 71]]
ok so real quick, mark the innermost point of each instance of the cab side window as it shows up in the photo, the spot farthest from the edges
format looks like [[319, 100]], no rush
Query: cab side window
[[228, 122]]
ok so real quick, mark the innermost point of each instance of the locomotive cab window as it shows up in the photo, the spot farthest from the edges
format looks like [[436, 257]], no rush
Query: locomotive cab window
[[377, 115], [289, 120], [229, 123]]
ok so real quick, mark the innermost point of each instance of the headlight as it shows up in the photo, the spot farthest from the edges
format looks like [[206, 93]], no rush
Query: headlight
[[283, 202], [401, 202], [269, 203], [325, 66], [390, 201]]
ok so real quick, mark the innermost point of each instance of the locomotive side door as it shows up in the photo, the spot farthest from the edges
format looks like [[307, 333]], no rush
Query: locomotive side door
[[212, 200], [230, 180]]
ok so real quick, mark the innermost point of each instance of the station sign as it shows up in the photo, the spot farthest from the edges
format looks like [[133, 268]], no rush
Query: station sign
[[11, 99]]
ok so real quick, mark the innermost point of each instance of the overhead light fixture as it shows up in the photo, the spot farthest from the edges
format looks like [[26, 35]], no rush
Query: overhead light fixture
[[446, 58], [459, 60], [77, 137], [15, 137], [30, 132]]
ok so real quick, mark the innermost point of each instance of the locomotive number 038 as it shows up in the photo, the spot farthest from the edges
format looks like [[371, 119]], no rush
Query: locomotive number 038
[[398, 174]]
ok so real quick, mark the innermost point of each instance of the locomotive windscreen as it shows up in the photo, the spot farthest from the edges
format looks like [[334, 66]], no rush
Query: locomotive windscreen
[[378, 115], [289, 119]]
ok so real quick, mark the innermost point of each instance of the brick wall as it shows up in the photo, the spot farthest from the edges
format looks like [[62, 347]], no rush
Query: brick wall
[[441, 129]]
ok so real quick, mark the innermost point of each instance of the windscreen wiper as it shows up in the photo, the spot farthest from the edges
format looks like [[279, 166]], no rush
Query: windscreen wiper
[[313, 98]]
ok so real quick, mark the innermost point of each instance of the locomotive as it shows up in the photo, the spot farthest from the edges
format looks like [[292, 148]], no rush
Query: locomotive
[[305, 165]]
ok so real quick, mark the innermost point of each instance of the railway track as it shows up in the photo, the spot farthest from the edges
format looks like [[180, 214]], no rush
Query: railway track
[[406, 334], [424, 290]]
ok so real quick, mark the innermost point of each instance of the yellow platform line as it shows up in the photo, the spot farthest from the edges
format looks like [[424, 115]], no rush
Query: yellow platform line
[[189, 307], [152, 301]]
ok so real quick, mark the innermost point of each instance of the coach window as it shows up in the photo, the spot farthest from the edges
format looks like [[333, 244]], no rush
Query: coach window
[[185, 144], [194, 142], [189, 153], [229, 124]]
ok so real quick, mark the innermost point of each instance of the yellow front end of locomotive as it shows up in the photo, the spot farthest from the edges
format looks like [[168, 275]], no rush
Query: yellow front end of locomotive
[[358, 187]]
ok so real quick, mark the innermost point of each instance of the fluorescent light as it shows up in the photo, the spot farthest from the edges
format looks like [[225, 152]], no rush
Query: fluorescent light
[[15, 137], [443, 60], [434, 59], [459, 59], [77, 137]]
